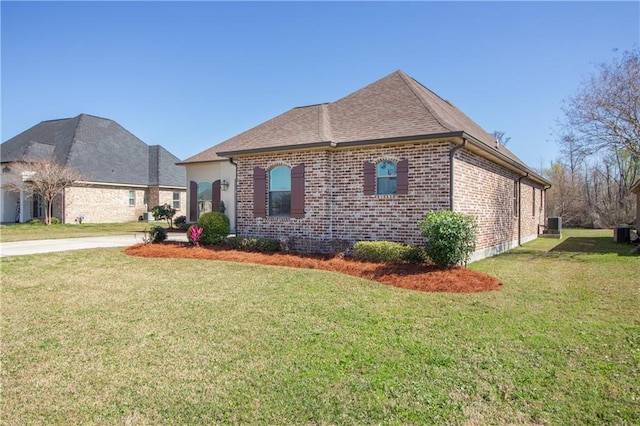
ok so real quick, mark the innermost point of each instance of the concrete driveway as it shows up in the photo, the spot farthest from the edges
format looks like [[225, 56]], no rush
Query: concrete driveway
[[20, 248]]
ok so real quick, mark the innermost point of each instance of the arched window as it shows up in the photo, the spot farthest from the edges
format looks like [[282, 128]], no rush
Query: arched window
[[280, 191], [386, 177], [205, 197]]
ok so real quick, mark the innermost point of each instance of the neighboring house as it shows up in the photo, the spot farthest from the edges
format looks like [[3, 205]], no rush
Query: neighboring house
[[368, 167], [122, 177]]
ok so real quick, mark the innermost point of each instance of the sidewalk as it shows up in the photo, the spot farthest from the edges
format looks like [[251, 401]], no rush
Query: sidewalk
[[20, 248]]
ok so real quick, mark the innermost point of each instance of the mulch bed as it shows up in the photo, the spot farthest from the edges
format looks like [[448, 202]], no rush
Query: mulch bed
[[414, 277]]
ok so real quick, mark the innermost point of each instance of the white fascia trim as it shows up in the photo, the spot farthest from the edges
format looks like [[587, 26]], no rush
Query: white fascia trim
[[172, 187], [125, 185]]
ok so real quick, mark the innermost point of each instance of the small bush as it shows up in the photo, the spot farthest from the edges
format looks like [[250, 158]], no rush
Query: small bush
[[54, 220], [35, 221], [157, 234], [262, 245], [216, 227], [180, 220], [387, 251], [450, 237]]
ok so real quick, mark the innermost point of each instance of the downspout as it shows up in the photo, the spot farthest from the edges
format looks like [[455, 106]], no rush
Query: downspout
[[520, 208], [452, 153], [235, 196], [544, 213]]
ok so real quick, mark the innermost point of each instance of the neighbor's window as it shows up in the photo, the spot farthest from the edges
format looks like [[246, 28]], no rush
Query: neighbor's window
[[386, 177], [205, 198], [132, 198], [176, 200], [280, 191]]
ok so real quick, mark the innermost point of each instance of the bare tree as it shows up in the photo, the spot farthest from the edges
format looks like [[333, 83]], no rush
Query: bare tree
[[604, 113], [566, 197], [499, 137], [46, 179]]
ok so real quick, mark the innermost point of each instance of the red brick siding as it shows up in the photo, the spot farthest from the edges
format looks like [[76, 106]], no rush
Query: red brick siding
[[484, 190], [336, 207], [356, 216]]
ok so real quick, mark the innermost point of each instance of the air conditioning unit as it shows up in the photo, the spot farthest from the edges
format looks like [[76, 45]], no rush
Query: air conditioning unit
[[554, 225], [622, 234], [147, 216]]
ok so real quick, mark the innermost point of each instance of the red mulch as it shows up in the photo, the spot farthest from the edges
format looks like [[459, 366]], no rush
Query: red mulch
[[414, 277]]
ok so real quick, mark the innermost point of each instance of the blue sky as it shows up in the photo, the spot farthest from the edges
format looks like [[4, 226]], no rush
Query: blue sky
[[189, 75]]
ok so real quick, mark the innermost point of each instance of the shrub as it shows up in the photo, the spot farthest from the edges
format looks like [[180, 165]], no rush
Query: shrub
[[164, 212], [387, 251], [415, 255], [450, 237], [35, 221], [262, 245], [181, 223], [194, 234], [54, 221], [157, 234], [216, 227]]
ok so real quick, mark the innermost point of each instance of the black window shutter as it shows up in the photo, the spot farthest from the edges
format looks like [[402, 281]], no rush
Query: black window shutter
[[259, 192], [215, 196], [402, 177], [369, 178], [297, 191], [193, 201]]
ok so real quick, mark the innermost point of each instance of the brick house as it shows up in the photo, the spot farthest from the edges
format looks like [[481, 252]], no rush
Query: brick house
[[369, 166], [122, 177]]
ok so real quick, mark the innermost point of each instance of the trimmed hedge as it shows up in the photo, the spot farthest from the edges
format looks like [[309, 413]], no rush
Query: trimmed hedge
[[216, 227], [262, 245], [387, 251]]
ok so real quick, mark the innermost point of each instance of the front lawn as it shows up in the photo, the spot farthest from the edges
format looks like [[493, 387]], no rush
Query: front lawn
[[25, 231], [97, 336]]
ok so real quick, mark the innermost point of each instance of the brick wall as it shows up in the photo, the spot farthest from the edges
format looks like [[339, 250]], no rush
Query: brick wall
[[315, 224], [104, 204], [165, 196], [340, 210], [485, 191], [336, 209]]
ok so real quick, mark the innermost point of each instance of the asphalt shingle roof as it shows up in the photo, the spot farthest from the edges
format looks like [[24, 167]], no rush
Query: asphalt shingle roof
[[99, 148], [394, 107]]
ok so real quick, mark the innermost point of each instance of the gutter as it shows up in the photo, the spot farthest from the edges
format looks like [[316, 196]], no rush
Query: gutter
[[520, 208], [452, 154], [520, 167], [544, 214]]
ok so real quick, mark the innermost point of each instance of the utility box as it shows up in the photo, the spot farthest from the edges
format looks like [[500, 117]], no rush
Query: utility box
[[554, 225], [147, 216], [622, 234]]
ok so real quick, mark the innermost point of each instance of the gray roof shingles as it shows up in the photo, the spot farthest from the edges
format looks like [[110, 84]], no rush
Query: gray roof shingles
[[99, 148]]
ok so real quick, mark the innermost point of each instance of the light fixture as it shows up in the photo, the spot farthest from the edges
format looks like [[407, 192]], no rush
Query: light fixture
[[224, 184]]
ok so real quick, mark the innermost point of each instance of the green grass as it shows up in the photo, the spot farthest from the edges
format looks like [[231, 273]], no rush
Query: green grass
[[98, 337], [24, 231]]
